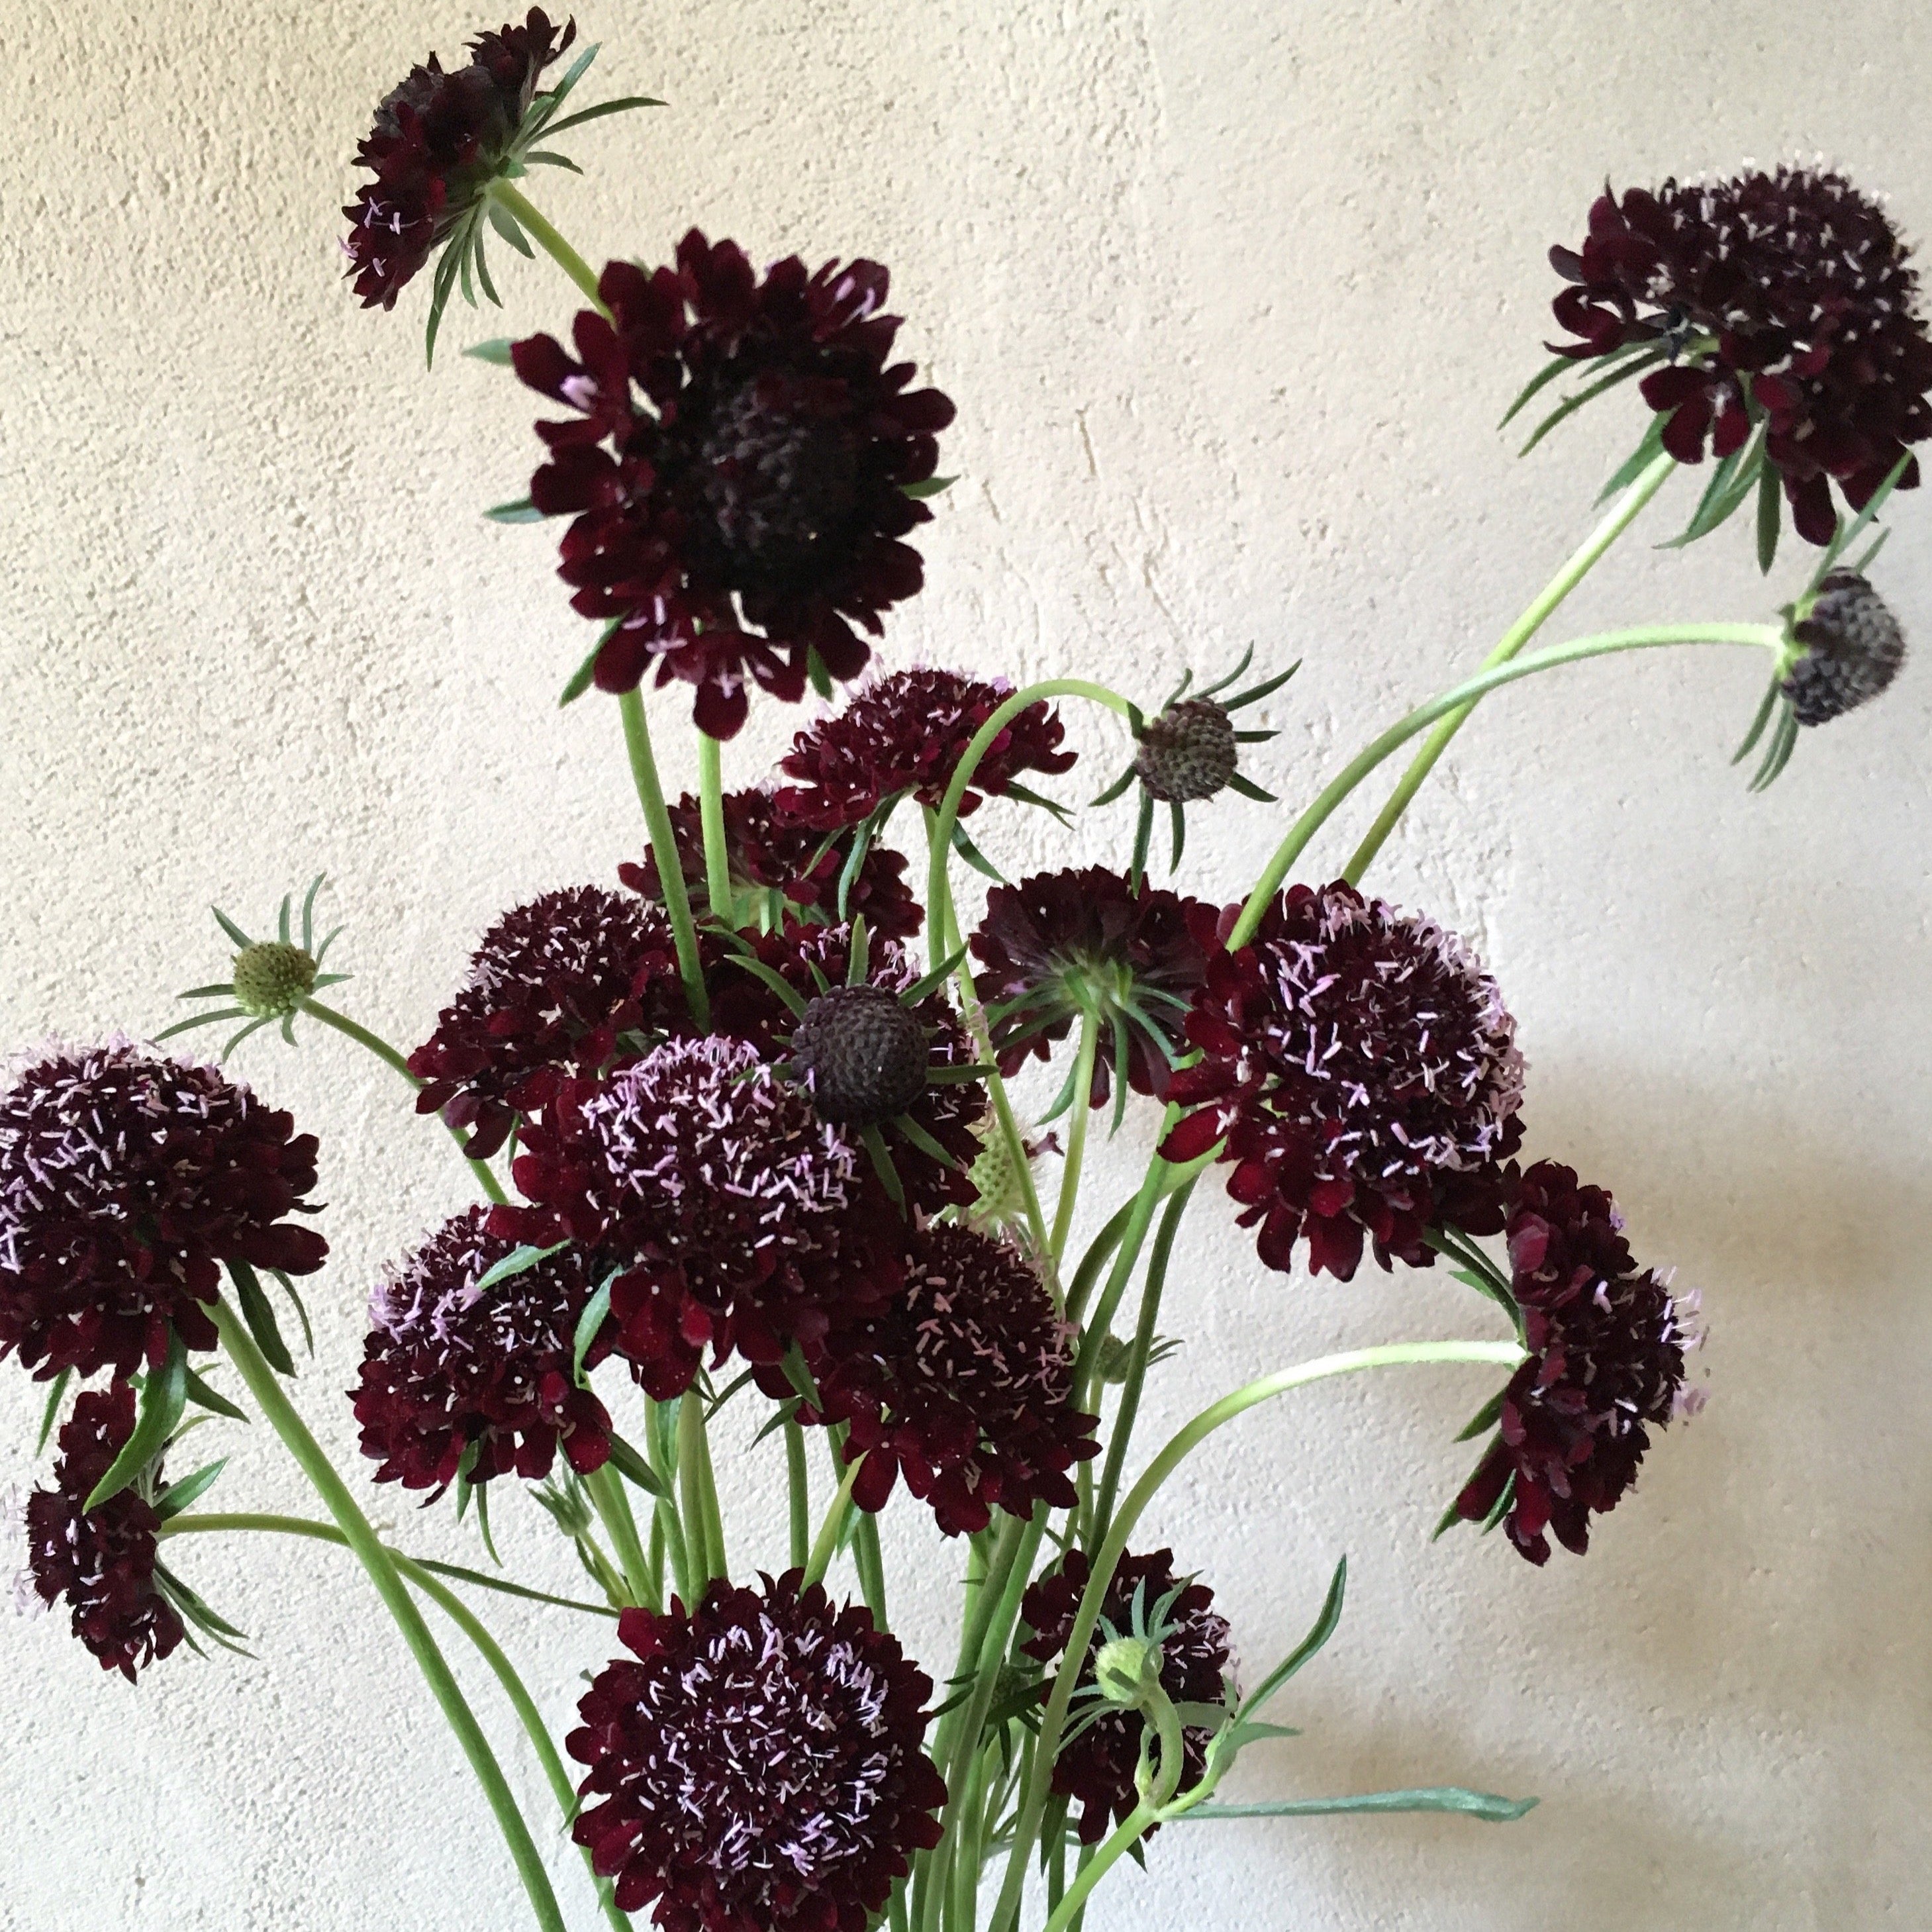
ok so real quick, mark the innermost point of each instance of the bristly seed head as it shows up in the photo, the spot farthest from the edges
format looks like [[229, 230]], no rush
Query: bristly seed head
[[1189, 752], [1854, 649], [272, 978], [866, 1052]]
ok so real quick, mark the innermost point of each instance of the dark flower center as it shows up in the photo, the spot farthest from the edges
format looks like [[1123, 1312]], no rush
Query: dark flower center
[[1189, 752], [866, 1053]]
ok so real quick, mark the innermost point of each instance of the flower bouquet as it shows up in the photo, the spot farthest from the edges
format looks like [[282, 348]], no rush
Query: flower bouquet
[[737, 1129]]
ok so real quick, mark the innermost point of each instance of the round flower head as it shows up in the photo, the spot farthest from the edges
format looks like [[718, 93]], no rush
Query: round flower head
[[449, 1366], [551, 986], [1189, 752], [758, 1767], [1607, 1359], [736, 473], [101, 1561], [438, 139], [1854, 648], [1099, 1754], [908, 732], [1362, 1067], [1787, 295], [1060, 943], [962, 1382], [126, 1180]]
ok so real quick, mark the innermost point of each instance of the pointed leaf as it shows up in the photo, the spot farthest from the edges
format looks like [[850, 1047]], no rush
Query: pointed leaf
[[1550, 372], [177, 1496], [1771, 695], [1482, 1804], [199, 1391], [1319, 1632], [163, 1396], [633, 1468], [523, 511], [229, 926], [1770, 517], [51, 1413], [1649, 447], [519, 1261], [495, 351], [260, 1317], [1569, 407], [588, 1324], [1114, 790], [932, 487]]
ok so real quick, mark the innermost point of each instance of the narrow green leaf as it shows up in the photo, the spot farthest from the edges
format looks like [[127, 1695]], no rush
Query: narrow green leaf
[[580, 678], [199, 1020], [1484, 1419], [578, 120], [1114, 790], [1483, 1804], [545, 158], [924, 988], [495, 351], [1732, 481], [229, 926], [483, 273], [482, 1492], [1177, 821], [1550, 371], [577, 69], [588, 1323], [773, 978], [225, 990], [163, 1398], [438, 300], [1322, 1629], [858, 953], [932, 487], [50, 1414], [1569, 407], [881, 1158], [211, 1400], [1770, 517], [518, 1261], [1847, 535], [260, 1317], [973, 856], [855, 860], [301, 1312], [1249, 789], [177, 1496], [1771, 694], [241, 1034], [1871, 550], [523, 511], [1650, 446], [633, 1468], [910, 1129], [1256, 693], [1783, 742], [506, 225]]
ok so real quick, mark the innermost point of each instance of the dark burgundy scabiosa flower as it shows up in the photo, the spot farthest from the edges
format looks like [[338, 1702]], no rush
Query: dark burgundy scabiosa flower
[[907, 733], [769, 852], [735, 473], [1097, 1761], [1788, 294], [1362, 1065], [961, 1382], [126, 1180], [449, 1364], [551, 986], [1060, 942], [1606, 1363], [101, 1561], [758, 1767], [438, 139], [1853, 649]]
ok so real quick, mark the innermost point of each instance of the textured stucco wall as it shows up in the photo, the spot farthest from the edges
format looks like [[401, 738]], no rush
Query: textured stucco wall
[[1229, 297]]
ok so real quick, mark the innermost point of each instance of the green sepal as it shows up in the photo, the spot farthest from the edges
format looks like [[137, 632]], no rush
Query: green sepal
[[584, 1339], [1783, 742], [543, 158], [858, 953], [905, 1124], [226, 990], [465, 1488], [229, 926], [932, 487], [518, 1261], [1256, 693], [1770, 517], [495, 351], [482, 1493], [1026, 795], [633, 1468], [260, 1317], [1177, 821], [1483, 1804], [715, 1402], [1733, 479], [163, 1396], [51, 1414], [786, 1411], [301, 1313], [770, 977], [1550, 372], [924, 988], [1849, 534], [523, 511], [1249, 789], [506, 225], [1485, 1417], [880, 1155], [1773, 691], [855, 860], [177, 1496], [583, 115], [199, 1392], [798, 1372], [1114, 790], [973, 856], [1572, 404], [580, 678], [1319, 1632], [1650, 446], [438, 298]]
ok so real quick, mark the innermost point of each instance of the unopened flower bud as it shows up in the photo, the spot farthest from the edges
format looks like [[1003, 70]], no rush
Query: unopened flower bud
[[271, 978], [1126, 1670], [1854, 648]]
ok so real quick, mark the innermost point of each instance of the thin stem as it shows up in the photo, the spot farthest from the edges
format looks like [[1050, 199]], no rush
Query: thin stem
[[547, 238], [664, 849], [798, 1496], [870, 1563], [825, 1546], [1649, 636], [1575, 569], [685, 1552], [1076, 1136], [376, 1559], [1153, 1190], [1053, 1719], [605, 1489], [690, 1489], [711, 812]]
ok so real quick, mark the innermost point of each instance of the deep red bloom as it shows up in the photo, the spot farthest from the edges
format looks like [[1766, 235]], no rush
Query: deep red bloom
[[551, 986], [759, 1768], [1364, 1071], [1606, 1358], [750, 511], [1096, 1767], [436, 141], [101, 1561], [446, 1365], [126, 1180], [907, 733], [1800, 285]]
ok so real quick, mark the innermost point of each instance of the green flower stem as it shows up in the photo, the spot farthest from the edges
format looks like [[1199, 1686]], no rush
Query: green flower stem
[[547, 238], [870, 1563], [664, 849], [1650, 636], [460, 1614], [825, 1546], [389, 1056], [1575, 569], [362, 1540], [605, 1489], [711, 811], [686, 1560], [1076, 1135], [798, 1496], [1179, 1447], [704, 1525]]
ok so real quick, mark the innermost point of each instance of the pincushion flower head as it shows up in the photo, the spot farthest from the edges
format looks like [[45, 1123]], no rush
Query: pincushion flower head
[[461, 1374], [758, 1763], [550, 987], [737, 473], [1360, 1065], [1852, 649], [1607, 1346], [126, 1180]]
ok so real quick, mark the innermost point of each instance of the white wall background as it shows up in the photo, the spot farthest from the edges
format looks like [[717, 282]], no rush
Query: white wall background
[[1230, 298]]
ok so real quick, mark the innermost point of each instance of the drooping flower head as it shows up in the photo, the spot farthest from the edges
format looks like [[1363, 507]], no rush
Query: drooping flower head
[[1787, 295], [1099, 1758], [1060, 942], [961, 1382], [1360, 1064], [438, 139], [758, 1767], [126, 1180], [1606, 1365], [549, 987], [735, 473], [102, 1561], [1854, 648], [906, 734], [449, 1364]]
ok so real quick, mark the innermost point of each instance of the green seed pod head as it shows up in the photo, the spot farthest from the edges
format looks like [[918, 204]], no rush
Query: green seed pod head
[[270, 977]]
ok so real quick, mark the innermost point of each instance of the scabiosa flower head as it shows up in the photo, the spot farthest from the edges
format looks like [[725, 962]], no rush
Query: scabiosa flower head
[[907, 733], [1793, 292], [437, 139], [1353, 1056], [1606, 1361], [962, 1382], [449, 1364], [863, 1053], [551, 986], [1854, 648], [758, 1767], [126, 1180], [1189, 752], [102, 1561], [1060, 943], [1097, 1761], [736, 474]]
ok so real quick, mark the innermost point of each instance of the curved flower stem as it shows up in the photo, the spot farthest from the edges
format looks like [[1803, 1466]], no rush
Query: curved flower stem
[[825, 1546], [1076, 1136], [547, 238], [605, 1489], [361, 1538], [389, 1056], [1649, 636], [1575, 569], [472, 1627], [1106, 1559], [664, 849], [711, 811]]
